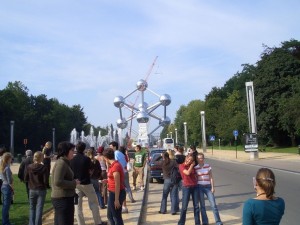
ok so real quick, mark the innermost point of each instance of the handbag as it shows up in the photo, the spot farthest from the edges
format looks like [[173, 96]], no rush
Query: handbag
[[129, 166]]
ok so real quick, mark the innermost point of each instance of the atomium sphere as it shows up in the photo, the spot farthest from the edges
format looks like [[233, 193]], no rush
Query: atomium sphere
[[165, 99], [119, 101], [141, 85], [122, 123], [142, 117], [140, 106], [165, 121]]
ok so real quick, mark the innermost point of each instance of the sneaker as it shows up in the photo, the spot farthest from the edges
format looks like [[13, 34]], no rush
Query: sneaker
[[142, 188], [124, 210], [134, 188]]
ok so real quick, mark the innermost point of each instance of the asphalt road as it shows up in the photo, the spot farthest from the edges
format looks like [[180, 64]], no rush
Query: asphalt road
[[234, 185]]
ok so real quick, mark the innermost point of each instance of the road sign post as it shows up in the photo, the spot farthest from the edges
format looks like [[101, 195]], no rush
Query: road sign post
[[235, 134], [212, 138]]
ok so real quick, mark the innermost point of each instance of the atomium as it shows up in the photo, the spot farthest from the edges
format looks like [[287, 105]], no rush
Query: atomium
[[143, 112]]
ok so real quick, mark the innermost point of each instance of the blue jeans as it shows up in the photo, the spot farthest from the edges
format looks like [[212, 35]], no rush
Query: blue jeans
[[187, 192], [168, 187], [7, 197], [115, 215], [98, 193], [206, 189], [36, 202], [127, 186]]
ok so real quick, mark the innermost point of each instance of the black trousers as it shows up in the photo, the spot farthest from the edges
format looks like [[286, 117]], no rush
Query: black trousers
[[63, 210], [1, 182]]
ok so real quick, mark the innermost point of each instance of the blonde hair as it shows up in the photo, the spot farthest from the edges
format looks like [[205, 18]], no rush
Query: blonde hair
[[38, 157], [48, 144], [171, 154], [90, 153], [4, 162]]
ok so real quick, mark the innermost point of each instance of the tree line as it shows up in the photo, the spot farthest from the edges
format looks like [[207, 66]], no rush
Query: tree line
[[34, 118], [276, 81], [276, 78]]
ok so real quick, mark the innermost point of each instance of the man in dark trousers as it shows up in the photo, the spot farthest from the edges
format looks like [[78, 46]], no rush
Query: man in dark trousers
[[23, 166], [81, 166]]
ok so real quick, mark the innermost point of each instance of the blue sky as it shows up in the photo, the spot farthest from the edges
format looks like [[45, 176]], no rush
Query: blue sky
[[88, 52]]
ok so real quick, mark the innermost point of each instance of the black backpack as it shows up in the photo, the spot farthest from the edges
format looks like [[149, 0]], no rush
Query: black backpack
[[175, 175]]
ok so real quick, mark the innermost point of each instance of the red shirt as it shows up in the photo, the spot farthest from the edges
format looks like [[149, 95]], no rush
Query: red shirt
[[188, 180], [115, 167]]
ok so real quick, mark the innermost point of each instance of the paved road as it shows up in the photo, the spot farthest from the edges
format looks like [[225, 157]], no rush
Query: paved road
[[233, 177]]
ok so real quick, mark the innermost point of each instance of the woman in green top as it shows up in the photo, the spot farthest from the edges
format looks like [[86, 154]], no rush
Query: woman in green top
[[265, 208]]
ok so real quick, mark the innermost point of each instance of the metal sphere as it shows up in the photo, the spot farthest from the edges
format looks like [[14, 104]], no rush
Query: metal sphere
[[141, 85], [165, 121], [142, 117], [165, 99], [119, 101], [122, 123], [140, 106]]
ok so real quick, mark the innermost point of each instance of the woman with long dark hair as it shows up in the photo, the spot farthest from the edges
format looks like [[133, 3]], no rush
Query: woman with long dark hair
[[168, 164]]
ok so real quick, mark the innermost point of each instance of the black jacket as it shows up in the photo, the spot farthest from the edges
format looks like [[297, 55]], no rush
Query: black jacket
[[23, 166], [81, 166]]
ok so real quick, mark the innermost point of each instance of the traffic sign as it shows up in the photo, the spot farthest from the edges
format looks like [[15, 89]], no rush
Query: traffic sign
[[235, 133], [212, 138]]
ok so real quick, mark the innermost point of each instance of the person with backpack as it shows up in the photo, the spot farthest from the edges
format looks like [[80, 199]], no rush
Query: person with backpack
[[170, 185]]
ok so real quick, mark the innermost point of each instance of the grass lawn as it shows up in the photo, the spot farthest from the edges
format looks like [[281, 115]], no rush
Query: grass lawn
[[19, 211], [267, 149]]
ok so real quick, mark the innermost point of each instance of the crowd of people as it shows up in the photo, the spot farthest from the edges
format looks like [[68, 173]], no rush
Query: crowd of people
[[103, 177]]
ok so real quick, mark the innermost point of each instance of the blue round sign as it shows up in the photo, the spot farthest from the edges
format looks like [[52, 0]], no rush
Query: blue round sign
[[235, 133]]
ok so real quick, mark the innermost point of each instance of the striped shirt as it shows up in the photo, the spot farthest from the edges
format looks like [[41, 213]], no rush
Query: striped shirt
[[203, 174]]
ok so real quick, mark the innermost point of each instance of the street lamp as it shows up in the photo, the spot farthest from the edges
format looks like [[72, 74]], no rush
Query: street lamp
[[12, 124], [202, 113], [53, 139], [185, 136], [176, 141]]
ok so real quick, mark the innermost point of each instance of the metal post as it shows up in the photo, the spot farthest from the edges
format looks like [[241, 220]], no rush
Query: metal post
[[185, 136], [12, 150], [202, 113], [176, 140], [53, 139], [251, 114]]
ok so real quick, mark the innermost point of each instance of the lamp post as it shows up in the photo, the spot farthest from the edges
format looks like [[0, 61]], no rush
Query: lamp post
[[12, 150], [185, 136], [176, 140], [202, 113], [53, 139]]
